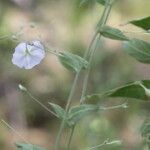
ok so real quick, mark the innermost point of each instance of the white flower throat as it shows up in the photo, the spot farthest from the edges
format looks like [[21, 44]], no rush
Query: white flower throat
[[28, 50]]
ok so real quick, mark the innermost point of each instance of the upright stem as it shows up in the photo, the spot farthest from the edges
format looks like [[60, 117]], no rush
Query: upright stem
[[91, 52], [67, 108], [85, 82], [70, 137], [101, 23], [70, 98]]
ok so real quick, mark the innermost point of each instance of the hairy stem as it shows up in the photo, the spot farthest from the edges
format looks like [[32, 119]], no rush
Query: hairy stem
[[102, 22], [67, 108], [70, 98], [70, 137]]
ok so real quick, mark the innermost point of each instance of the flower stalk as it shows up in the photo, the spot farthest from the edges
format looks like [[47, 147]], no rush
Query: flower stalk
[[90, 52]]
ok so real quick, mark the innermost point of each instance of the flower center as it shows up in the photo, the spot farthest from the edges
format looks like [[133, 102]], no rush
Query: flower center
[[27, 51]]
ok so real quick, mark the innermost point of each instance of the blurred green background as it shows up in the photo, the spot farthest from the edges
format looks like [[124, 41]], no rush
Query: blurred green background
[[63, 25]]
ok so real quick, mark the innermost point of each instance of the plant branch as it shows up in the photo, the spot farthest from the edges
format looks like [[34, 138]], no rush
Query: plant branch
[[24, 89], [56, 147], [91, 51], [13, 130], [106, 142]]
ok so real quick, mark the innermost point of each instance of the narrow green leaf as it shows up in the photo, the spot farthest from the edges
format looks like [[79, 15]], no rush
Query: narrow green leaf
[[72, 62], [145, 130], [138, 49], [137, 90], [25, 146], [113, 33], [143, 23], [58, 110], [101, 2], [78, 112]]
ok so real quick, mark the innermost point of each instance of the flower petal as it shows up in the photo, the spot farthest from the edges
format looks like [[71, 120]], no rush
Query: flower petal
[[38, 44], [30, 62], [19, 61], [38, 53], [28, 59], [21, 48]]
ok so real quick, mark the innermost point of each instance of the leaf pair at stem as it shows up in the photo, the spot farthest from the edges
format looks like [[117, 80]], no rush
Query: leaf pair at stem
[[133, 90], [138, 49], [75, 113]]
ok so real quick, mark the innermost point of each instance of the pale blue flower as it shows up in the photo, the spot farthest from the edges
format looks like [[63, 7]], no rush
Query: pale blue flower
[[27, 55]]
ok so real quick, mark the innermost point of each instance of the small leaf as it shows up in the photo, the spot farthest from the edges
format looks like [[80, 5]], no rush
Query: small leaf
[[25, 146], [58, 110], [138, 49], [101, 2], [113, 33], [137, 90], [72, 62], [143, 23], [145, 130], [78, 112]]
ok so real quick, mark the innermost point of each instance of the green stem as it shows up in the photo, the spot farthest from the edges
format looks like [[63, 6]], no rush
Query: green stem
[[106, 142], [102, 22], [90, 46], [70, 138], [98, 146], [72, 91], [13, 130], [42, 105], [85, 82], [124, 105], [70, 98], [67, 108], [85, 55], [84, 89]]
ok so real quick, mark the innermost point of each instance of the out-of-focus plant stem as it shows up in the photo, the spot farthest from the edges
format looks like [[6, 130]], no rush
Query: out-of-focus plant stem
[[91, 52], [57, 143]]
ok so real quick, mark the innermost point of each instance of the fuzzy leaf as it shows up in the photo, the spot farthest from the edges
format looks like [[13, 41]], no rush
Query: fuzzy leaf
[[72, 62], [113, 33], [25, 146], [78, 112], [145, 130], [137, 90], [138, 49], [143, 23], [58, 110]]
